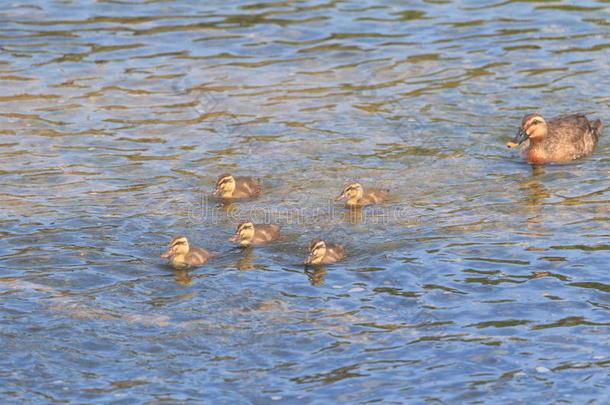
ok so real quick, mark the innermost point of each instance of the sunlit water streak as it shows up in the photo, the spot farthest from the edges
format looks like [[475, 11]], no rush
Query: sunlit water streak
[[481, 280]]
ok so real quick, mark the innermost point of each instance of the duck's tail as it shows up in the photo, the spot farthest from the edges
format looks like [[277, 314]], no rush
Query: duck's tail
[[596, 128]]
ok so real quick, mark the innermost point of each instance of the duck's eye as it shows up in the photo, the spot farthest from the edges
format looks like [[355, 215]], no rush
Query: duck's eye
[[180, 242]]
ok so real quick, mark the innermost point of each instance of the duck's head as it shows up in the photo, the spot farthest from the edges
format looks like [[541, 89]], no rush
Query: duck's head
[[225, 185], [533, 126], [244, 233], [317, 250], [178, 246], [351, 191]]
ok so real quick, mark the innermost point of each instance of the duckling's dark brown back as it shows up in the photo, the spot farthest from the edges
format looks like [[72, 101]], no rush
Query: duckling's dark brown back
[[374, 195], [266, 232], [249, 185], [334, 252], [197, 256]]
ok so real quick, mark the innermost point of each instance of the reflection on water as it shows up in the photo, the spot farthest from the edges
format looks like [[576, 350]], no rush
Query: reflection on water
[[535, 193], [482, 278], [316, 275], [246, 259], [183, 277]]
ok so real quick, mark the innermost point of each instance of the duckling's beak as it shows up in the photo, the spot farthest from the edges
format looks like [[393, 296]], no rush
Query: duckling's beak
[[308, 260], [341, 197], [215, 191], [169, 252], [518, 139], [234, 238]]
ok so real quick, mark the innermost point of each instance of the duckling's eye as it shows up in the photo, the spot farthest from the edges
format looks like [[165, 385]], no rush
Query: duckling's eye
[[180, 242]]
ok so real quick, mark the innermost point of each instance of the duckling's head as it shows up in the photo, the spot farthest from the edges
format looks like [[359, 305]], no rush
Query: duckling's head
[[178, 246], [352, 191], [317, 250], [244, 233], [533, 126], [225, 185]]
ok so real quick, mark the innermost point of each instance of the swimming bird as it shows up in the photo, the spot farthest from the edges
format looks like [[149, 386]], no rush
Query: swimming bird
[[324, 252], [358, 196], [229, 186], [248, 233], [560, 139], [182, 255]]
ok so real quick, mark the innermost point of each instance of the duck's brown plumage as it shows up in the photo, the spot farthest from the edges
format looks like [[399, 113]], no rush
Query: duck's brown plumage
[[560, 139], [229, 186], [182, 255], [324, 252], [248, 233], [356, 195]]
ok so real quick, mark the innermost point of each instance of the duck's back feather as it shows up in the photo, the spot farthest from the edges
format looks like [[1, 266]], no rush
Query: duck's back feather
[[247, 186], [196, 256], [334, 252], [569, 137], [266, 232]]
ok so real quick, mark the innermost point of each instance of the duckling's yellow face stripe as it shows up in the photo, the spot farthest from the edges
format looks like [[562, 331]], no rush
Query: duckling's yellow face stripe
[[225, 185], [244, 231], [181, 241], [318, 248], [224, 182], [245, 226], [176, 246], [353, 190], [350, 191], [180, 246]]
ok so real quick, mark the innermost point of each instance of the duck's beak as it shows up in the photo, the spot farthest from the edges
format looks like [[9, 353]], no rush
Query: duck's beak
[[215, 191], [168, 253], [234, 238], [341, 197], [519, 138], [308, 260]]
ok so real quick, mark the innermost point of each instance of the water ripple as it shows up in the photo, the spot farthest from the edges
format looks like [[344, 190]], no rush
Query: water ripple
[[480, 278]]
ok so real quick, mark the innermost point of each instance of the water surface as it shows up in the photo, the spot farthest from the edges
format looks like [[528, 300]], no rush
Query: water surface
[[481, 280]]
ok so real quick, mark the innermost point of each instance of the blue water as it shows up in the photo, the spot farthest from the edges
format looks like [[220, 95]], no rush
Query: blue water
[[481, 280]]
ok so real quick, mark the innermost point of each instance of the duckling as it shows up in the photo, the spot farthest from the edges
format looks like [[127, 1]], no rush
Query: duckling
[[248, 233], [237, 187], [182, 255], [358, 196], [560, 139], [323, 252]]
